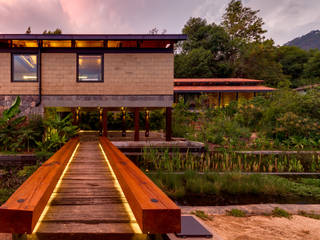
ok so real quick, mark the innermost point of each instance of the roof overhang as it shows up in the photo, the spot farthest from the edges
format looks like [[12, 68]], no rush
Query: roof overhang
[[171, 37], [205, 89]]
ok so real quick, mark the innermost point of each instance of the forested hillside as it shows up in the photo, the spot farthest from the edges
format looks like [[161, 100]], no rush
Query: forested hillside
[[236, 47]]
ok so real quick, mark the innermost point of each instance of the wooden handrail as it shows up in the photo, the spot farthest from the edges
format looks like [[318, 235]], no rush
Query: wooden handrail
[[23, 209], [153, 210]]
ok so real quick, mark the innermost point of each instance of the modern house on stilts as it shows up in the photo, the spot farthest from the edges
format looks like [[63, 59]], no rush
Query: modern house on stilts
[[75, 73]]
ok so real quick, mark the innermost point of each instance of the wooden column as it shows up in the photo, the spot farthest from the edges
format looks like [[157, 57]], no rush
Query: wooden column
[[147, 118], [104, 122], [123, 116], [136, 124], [168, 123]]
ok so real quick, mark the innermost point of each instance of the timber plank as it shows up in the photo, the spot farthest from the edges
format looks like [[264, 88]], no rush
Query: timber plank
[[23, 209], [153, 210]]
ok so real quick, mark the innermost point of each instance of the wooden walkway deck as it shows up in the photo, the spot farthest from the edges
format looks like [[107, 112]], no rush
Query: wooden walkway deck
[[88, 204]]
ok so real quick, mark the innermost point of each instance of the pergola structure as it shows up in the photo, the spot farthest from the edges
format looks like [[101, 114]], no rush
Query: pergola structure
[[103, 113]]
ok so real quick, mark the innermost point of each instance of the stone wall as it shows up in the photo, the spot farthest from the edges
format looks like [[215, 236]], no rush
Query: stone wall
[[27, 107]]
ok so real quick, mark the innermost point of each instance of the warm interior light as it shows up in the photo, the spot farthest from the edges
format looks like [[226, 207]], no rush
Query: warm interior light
[[29, 77], [135, 226], [53, 195]]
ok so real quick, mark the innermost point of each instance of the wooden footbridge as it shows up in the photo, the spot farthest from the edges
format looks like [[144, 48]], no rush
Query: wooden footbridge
[[89, 190]]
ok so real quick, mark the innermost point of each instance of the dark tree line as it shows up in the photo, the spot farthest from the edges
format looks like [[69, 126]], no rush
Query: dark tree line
[[237, 48]]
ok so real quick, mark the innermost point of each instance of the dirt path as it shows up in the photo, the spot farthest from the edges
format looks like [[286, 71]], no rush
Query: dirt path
[[265, 228]]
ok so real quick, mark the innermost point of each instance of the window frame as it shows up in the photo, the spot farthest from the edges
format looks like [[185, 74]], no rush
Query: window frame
[[102, 67], [12, 66]]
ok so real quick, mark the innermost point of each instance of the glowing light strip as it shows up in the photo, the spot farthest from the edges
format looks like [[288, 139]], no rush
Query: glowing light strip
[[135, 226], [53, 195]]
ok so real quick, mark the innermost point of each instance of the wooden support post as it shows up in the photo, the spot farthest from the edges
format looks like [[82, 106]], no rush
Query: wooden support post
[[168, 123], [104, 122], [147, 118], [74, 116], [219, 99], [123, 116], [136, 124]]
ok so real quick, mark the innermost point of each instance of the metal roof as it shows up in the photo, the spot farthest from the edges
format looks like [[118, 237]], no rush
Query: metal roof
[[174, 37], [200, 89], [216, 80]]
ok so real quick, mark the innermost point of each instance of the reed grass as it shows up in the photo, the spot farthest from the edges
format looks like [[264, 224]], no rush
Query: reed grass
[[221, 161]]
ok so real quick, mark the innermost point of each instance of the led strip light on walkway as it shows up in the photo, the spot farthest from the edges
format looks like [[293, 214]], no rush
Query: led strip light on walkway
[[135, 226], [54, 194]]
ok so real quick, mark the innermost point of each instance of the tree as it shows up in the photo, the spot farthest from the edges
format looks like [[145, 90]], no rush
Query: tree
[[196, 63], [258, 60], [206, 52], [55, 32], [242, 22], [293, 61], [28, 31], [312, 68], [155, 30]]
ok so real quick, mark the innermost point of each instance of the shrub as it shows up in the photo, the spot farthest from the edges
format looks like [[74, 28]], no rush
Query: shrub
[[236, 213]]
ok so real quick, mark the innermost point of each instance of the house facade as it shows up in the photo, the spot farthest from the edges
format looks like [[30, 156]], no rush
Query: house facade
[[70, 72]]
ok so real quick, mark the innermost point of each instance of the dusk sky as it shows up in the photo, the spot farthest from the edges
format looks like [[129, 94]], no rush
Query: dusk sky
[[285, 19]]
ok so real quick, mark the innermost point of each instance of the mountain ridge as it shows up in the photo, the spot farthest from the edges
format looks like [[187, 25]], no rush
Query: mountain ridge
[[308, 41]]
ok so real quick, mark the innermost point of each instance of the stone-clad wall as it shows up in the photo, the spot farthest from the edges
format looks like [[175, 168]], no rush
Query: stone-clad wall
[[27, 107]]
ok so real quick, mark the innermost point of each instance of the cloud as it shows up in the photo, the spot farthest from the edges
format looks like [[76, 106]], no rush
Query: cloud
[[285, 19]]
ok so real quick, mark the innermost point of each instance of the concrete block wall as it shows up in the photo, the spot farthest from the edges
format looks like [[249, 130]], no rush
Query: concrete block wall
[[124, 74], [6, 86]]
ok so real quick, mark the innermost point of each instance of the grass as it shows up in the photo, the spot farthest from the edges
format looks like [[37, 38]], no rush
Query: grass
[[236, 213], [234, 188], [309, 215], [279, 212], [202, 215], [12, 178]]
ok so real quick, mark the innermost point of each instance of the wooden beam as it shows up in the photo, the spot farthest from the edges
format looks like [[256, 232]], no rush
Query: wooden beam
[[136, 124], [147, 120], [168, 123], [23, 209], [153, 210], [104, 122]]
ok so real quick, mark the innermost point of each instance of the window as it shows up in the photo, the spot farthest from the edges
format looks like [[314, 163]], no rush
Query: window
[[56, 43], [122, 44], [97, 44], [24, 67], [24, 43], [90, 68]]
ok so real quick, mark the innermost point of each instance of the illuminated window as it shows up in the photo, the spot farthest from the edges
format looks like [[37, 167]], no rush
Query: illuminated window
[[56, 43], [90, 68], [24, 43], [156, 44], [89, 44], [24, 67], [122, 44]]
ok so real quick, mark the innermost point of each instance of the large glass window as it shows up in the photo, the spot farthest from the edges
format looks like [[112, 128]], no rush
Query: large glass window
[[90, 68], [25, 67]]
